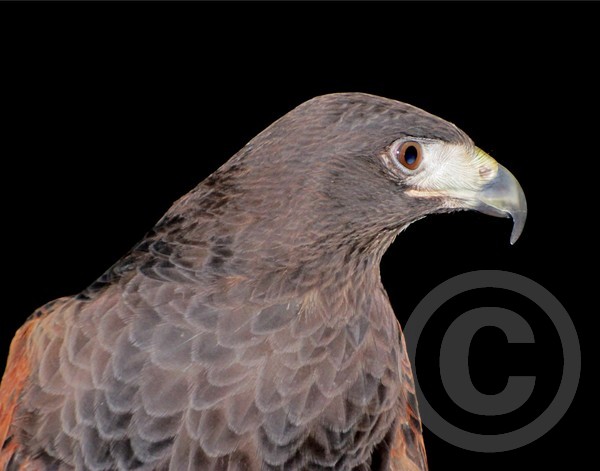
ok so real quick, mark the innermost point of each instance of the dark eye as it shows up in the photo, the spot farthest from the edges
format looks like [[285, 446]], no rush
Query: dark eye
[[409, 155]]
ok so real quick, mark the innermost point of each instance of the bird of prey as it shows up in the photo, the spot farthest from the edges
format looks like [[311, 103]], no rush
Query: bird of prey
[[249, 329]]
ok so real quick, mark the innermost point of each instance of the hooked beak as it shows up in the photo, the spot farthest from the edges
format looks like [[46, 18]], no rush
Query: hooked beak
[[503, 197], [471, 179]]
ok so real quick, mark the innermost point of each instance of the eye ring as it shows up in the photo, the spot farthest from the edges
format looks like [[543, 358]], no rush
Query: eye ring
[[409, 155]]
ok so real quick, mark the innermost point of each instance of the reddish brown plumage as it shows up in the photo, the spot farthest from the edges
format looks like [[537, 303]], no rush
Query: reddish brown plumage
[[16, 374]]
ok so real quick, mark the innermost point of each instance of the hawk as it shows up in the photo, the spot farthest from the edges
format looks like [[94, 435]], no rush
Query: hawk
[[249, 329]]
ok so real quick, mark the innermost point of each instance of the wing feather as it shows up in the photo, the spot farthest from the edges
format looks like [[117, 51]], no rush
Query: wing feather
[[14, 380], [407, 445]]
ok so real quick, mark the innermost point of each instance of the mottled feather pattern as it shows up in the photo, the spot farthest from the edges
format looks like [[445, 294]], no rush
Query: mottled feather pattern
[[164, 372], [246, 331]]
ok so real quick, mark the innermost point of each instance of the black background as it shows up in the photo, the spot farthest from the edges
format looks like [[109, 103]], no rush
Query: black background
[[110, 113]]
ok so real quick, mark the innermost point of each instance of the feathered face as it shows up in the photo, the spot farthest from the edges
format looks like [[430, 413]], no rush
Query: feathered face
[[454, 176], [355, 165]]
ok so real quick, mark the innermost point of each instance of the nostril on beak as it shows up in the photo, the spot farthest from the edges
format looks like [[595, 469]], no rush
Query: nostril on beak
[[484, 172]]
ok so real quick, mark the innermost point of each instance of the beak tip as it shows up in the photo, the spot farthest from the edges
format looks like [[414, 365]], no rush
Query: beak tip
[[514, 237], [518, 218]]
